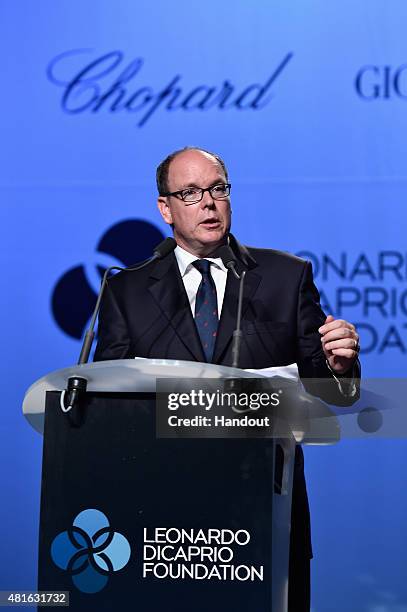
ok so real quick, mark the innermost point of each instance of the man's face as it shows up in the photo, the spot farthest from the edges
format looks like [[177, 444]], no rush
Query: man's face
[[201, 227]]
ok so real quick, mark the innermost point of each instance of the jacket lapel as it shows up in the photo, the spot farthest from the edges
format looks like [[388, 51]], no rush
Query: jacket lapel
[[168, 291]]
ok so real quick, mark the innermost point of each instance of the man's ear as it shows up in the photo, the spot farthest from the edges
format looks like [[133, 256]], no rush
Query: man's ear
[[164, 209]]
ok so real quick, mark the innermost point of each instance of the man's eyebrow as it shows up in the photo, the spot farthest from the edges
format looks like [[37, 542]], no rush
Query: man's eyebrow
[[187, 185]]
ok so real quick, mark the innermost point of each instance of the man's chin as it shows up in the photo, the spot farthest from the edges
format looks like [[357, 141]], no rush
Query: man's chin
[[212, 239], [208, 234], [204, 243]]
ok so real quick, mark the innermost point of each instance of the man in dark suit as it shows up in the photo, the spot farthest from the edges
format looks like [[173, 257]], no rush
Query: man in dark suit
[[184, 307]]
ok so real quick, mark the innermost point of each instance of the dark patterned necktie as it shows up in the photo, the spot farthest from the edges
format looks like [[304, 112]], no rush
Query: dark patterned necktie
[[206, 308]]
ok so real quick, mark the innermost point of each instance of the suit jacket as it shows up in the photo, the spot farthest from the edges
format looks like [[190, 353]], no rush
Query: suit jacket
[[146, 313]]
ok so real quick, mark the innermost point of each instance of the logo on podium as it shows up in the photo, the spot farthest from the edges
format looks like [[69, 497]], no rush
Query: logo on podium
[[90, 551]]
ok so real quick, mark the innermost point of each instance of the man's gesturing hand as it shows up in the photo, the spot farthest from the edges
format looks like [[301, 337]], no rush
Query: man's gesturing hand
[[340, 343]]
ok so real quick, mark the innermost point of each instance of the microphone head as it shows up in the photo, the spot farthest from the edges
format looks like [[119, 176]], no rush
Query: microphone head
[[164, 248], [227, 256], [229, 260]]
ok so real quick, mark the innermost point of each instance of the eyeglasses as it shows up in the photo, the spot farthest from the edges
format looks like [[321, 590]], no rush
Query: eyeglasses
[[193, 195]]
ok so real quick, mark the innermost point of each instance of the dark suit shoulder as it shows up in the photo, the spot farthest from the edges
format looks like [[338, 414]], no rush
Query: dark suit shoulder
[[137, 278], [282, 259]]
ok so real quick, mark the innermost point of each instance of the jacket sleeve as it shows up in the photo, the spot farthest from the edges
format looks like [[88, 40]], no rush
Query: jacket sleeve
[[113, 335], [316, 376]]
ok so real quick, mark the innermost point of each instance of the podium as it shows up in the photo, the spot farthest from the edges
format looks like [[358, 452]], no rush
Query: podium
[[130, 520]]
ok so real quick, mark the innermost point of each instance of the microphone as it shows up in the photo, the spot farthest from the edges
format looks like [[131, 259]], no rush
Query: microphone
[[229, 260], [164, 248], [160, 251], [77, 384]]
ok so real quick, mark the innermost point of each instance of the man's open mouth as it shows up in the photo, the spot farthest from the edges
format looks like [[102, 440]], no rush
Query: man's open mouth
[[211, 222]]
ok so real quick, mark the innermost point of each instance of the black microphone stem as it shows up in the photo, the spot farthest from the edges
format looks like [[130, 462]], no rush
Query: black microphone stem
[[237, 334], [90, 334]]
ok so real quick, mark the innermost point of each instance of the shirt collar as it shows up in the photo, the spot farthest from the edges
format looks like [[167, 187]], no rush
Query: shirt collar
[[186, 259]]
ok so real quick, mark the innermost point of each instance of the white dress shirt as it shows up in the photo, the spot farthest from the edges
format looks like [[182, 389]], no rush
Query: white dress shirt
[[191, 277]]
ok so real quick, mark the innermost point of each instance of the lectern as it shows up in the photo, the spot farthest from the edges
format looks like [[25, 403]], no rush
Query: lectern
[[135, 520]]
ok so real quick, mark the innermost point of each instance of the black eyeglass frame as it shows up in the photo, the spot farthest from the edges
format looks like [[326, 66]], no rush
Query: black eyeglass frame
[[178, 194]]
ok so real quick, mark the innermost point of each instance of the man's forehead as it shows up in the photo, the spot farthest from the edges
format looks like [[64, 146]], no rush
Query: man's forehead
[[190, 164]]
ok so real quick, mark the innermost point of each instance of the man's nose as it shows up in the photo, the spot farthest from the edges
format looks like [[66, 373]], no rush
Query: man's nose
[[207, 199]]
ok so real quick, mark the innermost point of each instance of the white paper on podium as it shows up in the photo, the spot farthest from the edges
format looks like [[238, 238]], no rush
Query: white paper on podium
[[290, 372]]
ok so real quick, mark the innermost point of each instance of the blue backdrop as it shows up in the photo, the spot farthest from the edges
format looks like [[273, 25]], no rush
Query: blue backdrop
[[306, 102]]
